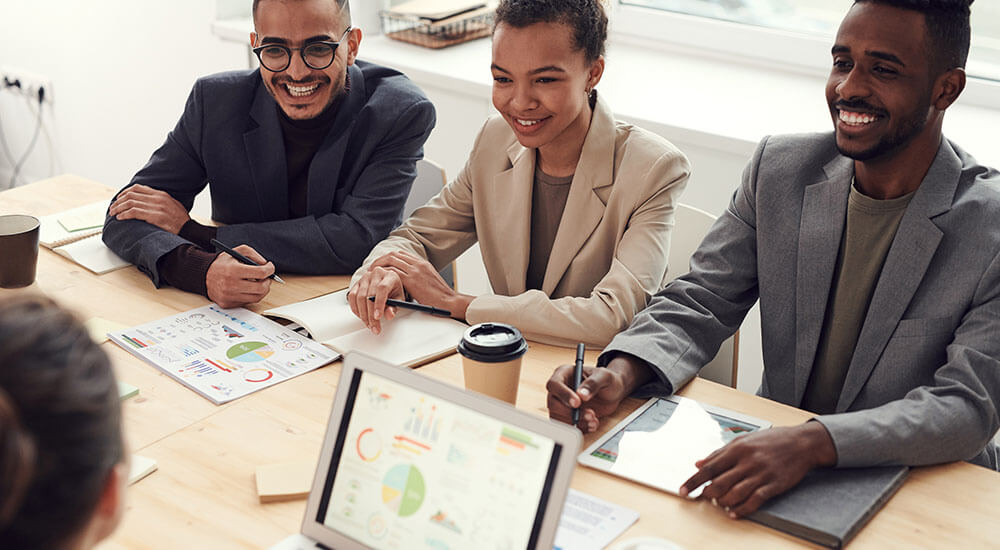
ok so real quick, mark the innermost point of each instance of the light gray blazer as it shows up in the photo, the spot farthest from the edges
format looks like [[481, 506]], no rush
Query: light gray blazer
[[924, 382]]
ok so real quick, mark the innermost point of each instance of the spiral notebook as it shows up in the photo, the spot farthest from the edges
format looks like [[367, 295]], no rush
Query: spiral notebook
[[76, 234]]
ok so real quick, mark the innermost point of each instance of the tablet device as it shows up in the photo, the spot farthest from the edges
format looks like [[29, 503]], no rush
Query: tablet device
[[413, 462], [658, 444]]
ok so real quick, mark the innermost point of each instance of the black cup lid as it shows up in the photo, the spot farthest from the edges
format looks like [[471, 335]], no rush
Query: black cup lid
[[492, 343]]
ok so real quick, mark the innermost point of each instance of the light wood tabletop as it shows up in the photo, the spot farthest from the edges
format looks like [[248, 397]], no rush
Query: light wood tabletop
[[203, 495]]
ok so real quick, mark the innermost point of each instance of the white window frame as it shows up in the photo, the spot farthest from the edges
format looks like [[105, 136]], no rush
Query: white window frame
[[772, 49]]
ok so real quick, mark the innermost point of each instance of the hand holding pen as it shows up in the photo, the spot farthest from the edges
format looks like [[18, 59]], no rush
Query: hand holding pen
[[230, 282], [242, 259]]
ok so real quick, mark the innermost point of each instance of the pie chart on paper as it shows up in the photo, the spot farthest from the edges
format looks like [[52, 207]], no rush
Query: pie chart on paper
[[249, 352], [403, 490]]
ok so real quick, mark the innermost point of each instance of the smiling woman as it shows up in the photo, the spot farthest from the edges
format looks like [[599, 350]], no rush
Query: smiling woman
[[573, 210]]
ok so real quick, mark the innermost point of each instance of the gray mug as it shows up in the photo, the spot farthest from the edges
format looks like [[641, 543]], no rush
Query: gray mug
[[18, 250]]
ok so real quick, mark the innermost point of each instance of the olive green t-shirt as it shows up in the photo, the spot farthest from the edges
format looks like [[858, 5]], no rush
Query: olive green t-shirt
[[548, 200], [870, 229]]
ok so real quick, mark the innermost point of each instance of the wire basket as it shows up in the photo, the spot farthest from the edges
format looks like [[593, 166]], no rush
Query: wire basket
[[438, 33]]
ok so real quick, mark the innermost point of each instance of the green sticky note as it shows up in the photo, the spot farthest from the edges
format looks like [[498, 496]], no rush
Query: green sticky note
[[126, 390]]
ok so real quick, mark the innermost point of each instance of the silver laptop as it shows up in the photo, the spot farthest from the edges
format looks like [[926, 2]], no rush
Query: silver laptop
[[410, 462]]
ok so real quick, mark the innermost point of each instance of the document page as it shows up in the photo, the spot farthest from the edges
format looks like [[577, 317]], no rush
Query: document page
[[590, 523], [223, 354]]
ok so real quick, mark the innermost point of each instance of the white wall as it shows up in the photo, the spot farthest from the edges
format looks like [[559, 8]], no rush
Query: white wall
[[120, 70]]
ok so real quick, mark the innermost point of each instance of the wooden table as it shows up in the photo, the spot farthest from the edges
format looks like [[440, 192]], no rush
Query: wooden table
[[203, 494]]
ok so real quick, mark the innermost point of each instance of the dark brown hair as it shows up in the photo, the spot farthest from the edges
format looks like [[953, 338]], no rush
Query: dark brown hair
[[60, 424], [585, 17]]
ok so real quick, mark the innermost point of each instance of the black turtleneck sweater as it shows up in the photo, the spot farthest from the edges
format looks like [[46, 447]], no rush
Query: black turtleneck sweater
[[186, 266]]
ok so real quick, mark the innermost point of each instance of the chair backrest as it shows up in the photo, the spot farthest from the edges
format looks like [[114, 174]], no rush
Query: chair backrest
[[690, 227], [429, 182]]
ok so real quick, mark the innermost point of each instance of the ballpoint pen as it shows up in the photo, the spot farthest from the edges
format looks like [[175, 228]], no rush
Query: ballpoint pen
[[242, 259], [414, 306], [578, 378]]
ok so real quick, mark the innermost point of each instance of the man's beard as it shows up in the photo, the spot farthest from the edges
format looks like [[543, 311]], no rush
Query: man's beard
[[910, 128]]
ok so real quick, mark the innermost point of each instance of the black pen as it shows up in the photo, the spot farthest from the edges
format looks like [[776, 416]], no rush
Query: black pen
[[414, 306], [242, 259], [578, 378]]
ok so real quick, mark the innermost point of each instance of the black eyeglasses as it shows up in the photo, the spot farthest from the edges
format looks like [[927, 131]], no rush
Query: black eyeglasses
[[316, 55]]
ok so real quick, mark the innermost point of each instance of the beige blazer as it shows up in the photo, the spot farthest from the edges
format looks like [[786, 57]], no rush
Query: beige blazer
[[610, 251]]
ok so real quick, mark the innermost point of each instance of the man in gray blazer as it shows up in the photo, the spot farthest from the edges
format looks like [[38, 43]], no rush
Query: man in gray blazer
[[875, 254], [309, 160]]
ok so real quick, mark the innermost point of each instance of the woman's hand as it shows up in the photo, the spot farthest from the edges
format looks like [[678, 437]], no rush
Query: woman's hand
[[423, 283]]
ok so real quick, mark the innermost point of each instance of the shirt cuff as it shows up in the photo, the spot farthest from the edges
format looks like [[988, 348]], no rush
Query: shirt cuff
[[186, 268], [657, 387], [199, 234]]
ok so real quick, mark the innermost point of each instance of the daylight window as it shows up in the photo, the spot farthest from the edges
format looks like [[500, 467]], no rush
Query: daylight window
[[820, 18]]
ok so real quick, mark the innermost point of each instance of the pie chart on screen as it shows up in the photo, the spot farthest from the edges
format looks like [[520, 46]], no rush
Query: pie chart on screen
[[403, 490], [249, 352]]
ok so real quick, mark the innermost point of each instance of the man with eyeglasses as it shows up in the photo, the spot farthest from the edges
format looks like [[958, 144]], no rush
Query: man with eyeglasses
[[309, 161]]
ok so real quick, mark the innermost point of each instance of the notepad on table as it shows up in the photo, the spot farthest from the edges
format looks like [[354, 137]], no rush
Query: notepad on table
[[76, 234], [141, 467], [831, 505], [92, 254], [281, 482], [126, 390], [411, 338], [90, 217], [71, 225]]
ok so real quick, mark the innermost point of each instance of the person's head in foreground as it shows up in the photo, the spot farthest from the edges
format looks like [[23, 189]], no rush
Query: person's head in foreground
[[304, 48], [63, 469]]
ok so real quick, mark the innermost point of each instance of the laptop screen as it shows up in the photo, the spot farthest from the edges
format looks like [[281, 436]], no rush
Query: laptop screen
[[410, 470]]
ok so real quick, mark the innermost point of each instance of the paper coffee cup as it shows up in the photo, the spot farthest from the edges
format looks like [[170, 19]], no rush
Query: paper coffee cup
[[491, 359], [18, 250]]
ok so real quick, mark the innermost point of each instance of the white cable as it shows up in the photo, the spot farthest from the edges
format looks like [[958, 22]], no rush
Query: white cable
[[27, 151], [54, 161]]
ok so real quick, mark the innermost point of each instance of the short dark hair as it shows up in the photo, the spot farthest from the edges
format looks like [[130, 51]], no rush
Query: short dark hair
[[345, 10], [586, 17], [948, 30], [60, 424]]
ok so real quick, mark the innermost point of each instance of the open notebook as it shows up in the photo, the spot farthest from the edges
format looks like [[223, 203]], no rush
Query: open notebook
[[411, 339], [76, 234]]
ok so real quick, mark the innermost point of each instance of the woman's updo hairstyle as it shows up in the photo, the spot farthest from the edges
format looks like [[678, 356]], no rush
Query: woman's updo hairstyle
[[60, 424], [586, 17]]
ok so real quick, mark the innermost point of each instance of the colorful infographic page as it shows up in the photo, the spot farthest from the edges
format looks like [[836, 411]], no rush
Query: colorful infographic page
[[417, 472], [223, 354]]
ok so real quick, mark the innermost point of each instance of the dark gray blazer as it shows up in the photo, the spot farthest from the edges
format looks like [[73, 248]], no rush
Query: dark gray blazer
[[924, 383], [229, 138]]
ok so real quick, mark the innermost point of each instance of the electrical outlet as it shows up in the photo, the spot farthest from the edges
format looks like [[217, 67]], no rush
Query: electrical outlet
[[25, 83]]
